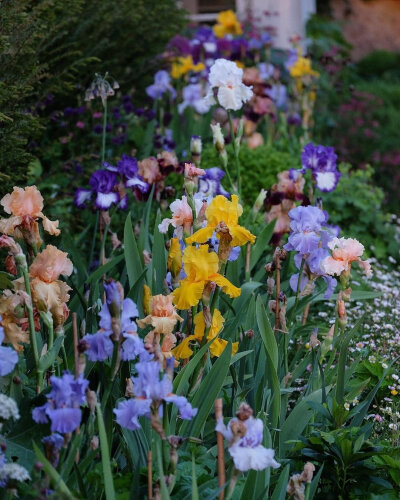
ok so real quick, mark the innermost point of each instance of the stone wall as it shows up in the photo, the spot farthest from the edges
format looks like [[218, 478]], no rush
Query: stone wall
[[369, 24]]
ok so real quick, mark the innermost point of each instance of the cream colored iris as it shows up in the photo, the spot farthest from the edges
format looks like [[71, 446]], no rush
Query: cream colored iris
[[183, 351], [201, 267], [223, 210]]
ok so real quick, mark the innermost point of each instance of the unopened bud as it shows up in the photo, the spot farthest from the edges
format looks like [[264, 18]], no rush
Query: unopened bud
[[244, 412], [249, 333], [94, 443], [91, 400], [270, 285], [218, 137]]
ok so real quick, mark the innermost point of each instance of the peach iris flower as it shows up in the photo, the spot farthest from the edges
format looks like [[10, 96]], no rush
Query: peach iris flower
[[10, 320], [201, 267], [23, 203], [163, 316], [223, 210], [48, 292], [344, 252]]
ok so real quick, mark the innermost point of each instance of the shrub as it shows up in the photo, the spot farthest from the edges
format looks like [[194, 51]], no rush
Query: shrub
[[259, 166]]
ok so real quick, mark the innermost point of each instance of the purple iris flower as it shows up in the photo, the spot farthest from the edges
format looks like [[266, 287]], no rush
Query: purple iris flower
[[210, 183], [8, 357], [54, 440], [161, 85], [150, 388], [292, 59], [63, 405], [103, 183], [127, 166], [321, 161], [180, 44]]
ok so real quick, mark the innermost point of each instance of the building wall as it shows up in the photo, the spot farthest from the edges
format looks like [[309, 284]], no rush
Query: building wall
[[369, 24]]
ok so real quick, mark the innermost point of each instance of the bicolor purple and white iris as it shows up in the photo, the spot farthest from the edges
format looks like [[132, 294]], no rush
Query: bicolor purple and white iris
[[63, 403], [151, 388], [210, 183], [103, 185], [321, 161], [247, 451]]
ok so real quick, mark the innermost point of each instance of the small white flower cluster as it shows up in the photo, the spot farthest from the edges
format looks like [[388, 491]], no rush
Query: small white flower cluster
[[13, 471], [8, 408]]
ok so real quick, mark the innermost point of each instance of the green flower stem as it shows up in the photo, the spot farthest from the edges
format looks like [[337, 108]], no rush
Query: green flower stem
[[293, 313], [23, 267], [103, 139], [232, 483], [110, 381], [236, 151]]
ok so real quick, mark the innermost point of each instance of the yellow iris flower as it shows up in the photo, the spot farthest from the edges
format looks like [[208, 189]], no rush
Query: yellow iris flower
[[223, 210], [183, 351], [182, 65], [175, 257], [302, 67], [227, 24], [201, 267]]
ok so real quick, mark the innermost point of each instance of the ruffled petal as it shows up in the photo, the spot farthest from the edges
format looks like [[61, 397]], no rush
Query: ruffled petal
[[188, 294], [183, 351], [51, 226], [226, 285], [200, 236], [240, 236]]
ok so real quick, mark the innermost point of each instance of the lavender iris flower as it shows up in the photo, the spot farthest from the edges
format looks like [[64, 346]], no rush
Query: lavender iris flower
[[161, 85], [210, 183], [150, 389], [321, 161], [193, 97], [8, 357], [100, 345], [63, 405], [278, 94], [309, 237], [246, 450]]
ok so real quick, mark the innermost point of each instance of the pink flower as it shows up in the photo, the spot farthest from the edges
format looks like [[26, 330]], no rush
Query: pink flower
[[80, 124], [344, 252], [182, 218], [192, 172]]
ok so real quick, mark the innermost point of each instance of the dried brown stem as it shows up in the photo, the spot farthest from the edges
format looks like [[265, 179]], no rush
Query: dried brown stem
[[149, 475]]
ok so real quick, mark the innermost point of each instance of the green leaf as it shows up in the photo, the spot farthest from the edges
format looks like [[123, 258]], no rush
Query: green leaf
[[280, 488], [266, 332], [207, 393], [102, 270], [138, 446], [314, 483], [134, 260], [297, 420], [342, 361], [49, 358], [105, 456], [159, 258], [164, 489], [195, 491], [5, 280], [261, 243], [144, 243], [55, 478]]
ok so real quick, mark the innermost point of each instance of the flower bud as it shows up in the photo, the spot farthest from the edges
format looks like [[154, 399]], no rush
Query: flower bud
[[244, 412], [218, 137]]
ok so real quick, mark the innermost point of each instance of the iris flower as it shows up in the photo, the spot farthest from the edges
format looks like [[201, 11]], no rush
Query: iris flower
[[183, 351], [223, 210], [201, 267]]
